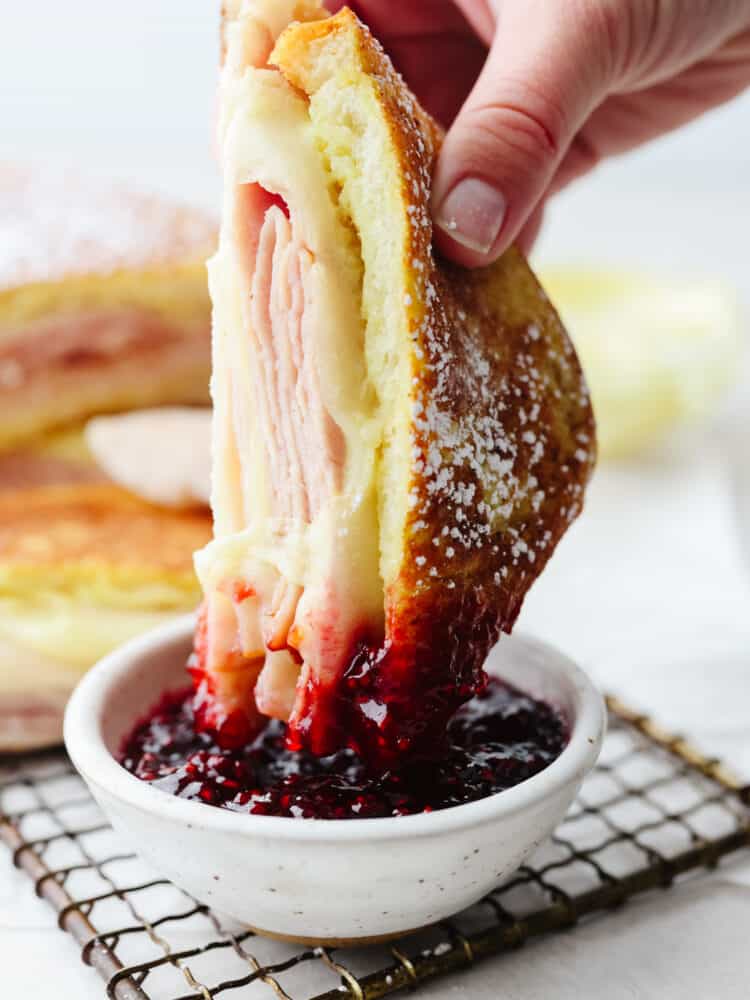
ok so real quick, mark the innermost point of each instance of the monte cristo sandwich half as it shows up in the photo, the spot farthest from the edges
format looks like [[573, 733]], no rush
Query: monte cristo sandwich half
[[399, 444], [104, 308], [103, 301]]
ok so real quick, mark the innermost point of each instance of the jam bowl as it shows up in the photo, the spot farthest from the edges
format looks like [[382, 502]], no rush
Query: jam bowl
[[327, 881]]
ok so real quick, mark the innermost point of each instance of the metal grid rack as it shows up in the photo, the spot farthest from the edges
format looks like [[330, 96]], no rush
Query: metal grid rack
[[653, 809]]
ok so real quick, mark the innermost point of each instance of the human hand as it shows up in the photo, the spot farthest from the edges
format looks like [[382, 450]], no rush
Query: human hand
[[536, 92]]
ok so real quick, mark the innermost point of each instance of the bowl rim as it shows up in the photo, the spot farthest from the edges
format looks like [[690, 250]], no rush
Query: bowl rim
[[86, 747]]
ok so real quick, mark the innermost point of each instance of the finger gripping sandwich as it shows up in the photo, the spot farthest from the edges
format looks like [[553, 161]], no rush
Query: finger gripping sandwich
[[398, 443]]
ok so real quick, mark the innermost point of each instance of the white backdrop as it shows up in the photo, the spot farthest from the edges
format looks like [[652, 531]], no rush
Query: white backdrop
[[648, 590], [128, 88]]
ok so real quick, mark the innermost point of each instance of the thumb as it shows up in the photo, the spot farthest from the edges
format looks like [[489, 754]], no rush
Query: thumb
[[549, 66]]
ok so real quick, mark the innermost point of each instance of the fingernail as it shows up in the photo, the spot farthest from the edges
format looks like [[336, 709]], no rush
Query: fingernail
[[472, 214]]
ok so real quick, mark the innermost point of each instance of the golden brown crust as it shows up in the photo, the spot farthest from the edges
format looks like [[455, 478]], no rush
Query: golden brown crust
[[96, 525], [503, 437]]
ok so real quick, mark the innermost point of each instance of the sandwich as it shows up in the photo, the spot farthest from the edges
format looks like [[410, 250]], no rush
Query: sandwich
[[398, 443], [104, 307], [83, 567], [103, 301]]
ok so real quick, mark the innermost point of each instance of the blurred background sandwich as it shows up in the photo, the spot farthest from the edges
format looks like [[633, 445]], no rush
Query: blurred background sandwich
[[103, 309]]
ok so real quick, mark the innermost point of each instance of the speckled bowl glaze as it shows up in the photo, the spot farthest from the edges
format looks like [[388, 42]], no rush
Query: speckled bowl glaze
[[327, 881]]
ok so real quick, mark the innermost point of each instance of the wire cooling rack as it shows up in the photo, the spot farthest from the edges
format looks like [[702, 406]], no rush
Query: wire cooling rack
[[653, 810]]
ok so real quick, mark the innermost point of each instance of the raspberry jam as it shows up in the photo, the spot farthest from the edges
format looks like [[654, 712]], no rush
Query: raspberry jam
[[495, 741]]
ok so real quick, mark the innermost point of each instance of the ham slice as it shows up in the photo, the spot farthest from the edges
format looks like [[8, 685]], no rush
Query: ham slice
[[284, 621], [60, 369]]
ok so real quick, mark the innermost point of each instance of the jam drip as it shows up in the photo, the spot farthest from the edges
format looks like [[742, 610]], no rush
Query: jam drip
[[495, 741], [396, 696]]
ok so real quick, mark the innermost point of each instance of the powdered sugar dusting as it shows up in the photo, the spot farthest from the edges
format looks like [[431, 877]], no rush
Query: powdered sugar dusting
[[488, 422], [502, 436], [58, 223]]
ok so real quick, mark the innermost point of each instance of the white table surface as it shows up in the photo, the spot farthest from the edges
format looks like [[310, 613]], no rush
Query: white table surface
[[649, 590]]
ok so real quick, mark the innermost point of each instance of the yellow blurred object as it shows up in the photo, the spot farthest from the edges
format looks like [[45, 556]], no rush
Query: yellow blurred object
[[657, 353]]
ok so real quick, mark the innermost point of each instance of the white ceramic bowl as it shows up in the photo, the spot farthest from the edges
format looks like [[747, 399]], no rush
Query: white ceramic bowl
[[326, 880]]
